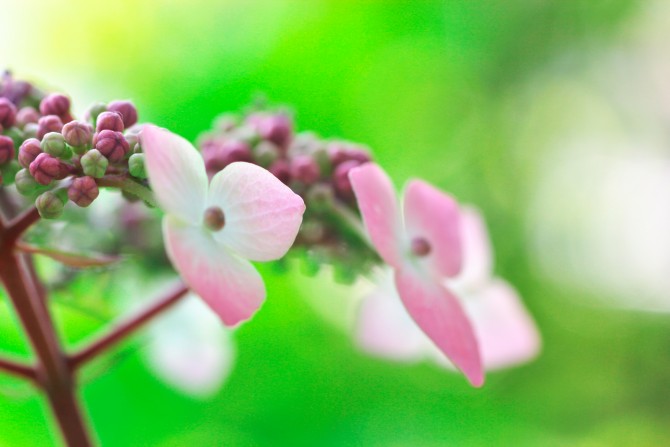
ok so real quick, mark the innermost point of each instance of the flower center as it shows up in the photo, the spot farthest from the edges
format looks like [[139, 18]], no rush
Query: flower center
[[215, 220], [420, 247]]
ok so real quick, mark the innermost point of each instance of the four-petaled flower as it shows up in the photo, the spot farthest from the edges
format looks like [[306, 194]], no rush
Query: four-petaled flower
[[505, 331], [212, 231], [423, 246]]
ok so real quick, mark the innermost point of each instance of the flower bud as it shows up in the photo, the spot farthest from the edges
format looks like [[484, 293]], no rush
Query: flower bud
[[49, 205], [27, 115], [320, 197], [265, 153], [48, 123], [7, 151], [219, 155], [77, 134], [282, 170], [109, 121], [277, 128], [25, 183], [7, 113], [53, 143], [30, 130], [136, 166], [112, 145], [45, 169], [94, 110], [304, 169], [28, 151], [94, 163], [56, 104], [127, 111], [341, 180], [83, 191]]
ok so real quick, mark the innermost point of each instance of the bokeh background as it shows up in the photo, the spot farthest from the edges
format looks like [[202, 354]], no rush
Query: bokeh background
[[552, 117]]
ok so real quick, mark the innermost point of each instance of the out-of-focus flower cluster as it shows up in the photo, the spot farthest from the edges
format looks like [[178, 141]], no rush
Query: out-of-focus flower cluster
[[317, 169], [53, 158]]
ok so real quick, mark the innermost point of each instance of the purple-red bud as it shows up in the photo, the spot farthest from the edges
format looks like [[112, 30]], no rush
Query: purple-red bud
[[77, 133], [219, 155], [276, 128], [29, 151], [339, 154], [282, 170], [127, 111], [45, 169], [112, 145], [109, 121], [341, 180], [48, 123], [56, 104], [7, 151], [304, 169], [27, 115], [7, 113], [83, 191]]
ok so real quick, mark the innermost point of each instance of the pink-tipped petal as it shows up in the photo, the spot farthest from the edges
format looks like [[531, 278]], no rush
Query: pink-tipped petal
[[437, 312], [377, 202], [176, 173], [262, 215], [434, 216], [506, 332], [229, 285], [477, 253]]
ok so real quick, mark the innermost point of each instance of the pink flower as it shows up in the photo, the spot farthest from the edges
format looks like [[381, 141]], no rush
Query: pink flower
[[504, 329], [423, 246], [212, 231]]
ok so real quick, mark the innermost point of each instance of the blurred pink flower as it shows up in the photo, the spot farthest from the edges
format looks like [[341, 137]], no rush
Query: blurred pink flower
[[505, 331], [212, 231], [423, 246]]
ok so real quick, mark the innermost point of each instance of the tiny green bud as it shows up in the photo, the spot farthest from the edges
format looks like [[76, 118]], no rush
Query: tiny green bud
[[16, 135], [94, 163], [53, 144], [25, 183], [265, 153], [136, 166], [94, 110], [30, 130], [49, 205]]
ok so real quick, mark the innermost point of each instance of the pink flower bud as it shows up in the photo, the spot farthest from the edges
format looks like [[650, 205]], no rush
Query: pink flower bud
[[7, 113], [6, 149], [127, 111], [109, 121], [83, 191], [45, 169], [29, 151], [341, 180], [27, 115], [339, 153], [219, 155], [56, 104], [276, 128], [282, 170], [49, 123], [304, 169], [77, 133], [112, 145]]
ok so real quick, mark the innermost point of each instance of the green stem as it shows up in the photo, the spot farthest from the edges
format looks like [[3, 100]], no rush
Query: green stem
[[129, 185], [344, 214]]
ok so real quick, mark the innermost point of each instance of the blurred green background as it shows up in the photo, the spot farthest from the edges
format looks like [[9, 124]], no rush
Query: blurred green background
[[466, 94]]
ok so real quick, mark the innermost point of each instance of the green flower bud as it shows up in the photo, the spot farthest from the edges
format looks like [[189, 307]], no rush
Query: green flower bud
[[265, 153], [26, 184], [94, 110], [94, 163], [53, 144], [49, 205], [16, 135], [136, 166]]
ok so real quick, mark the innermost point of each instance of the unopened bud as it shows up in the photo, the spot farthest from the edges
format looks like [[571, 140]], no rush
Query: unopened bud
[[277, 128], [304, 169], [94, 110], [49, 123], [112, 145], [265, 153], [56, 104], [28, 151], [126, 109], [219, 155], [27, 115], [7, 151], [49, 205], [7, 113], [341, 180], [320, 197], [45, 169], [77, 134], [25, 183], [53, 143], [282, 170], [30, 130], [109, 121], [94, 163], [83, 191], [136, 166]]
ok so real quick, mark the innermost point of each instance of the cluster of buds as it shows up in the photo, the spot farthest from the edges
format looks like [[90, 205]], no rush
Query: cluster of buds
[[317, 169], [54, 158]]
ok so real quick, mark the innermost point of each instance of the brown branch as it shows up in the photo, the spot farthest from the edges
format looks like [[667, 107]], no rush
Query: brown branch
[[127, 327], [18, 369], [18, 225]]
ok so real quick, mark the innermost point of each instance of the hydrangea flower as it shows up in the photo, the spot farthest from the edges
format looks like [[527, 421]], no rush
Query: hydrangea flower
[[504, 329], [213, 229], [423, 246]]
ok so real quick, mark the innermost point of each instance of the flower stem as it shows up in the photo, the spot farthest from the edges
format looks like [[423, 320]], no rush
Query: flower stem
[[129, 185], [18, 369]]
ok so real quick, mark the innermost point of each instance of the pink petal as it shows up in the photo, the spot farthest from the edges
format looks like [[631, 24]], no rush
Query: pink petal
[[477, 257], [262, 214], [506, 332], [438, 313], [176, 173], [229, 285], [377, 203], [434, 216]]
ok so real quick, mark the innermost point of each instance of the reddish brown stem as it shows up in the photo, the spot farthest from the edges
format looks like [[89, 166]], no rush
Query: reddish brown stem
[[19, 369], [18, 225], [125, 328]]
